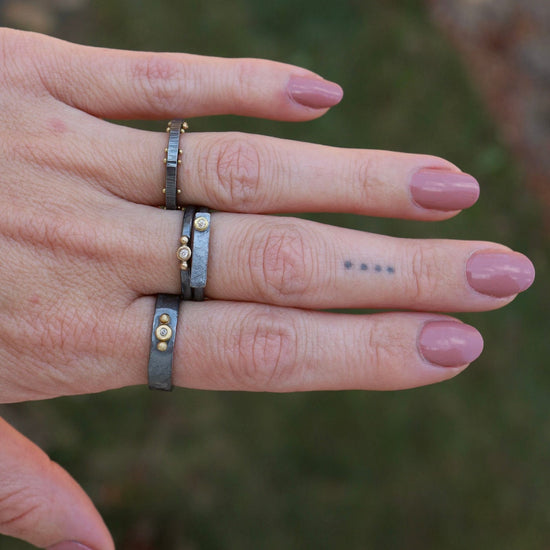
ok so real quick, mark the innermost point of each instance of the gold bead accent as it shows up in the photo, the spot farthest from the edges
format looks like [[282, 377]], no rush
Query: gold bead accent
[[165, 160], [169, 124], [179, 191], [164, 191], [166, 149], [180, 151], [163, 333], [185, 125], [164, 318], [201, 224], [162, 346], [184, 266], [184, 239], [179, 162]]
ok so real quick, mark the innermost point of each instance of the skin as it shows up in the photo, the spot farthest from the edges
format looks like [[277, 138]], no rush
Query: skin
[[82, 243]]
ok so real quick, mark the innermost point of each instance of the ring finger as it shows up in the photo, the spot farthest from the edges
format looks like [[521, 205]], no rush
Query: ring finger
[[299, 263]]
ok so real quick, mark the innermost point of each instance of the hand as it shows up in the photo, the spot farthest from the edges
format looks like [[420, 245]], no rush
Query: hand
[[85, 251]]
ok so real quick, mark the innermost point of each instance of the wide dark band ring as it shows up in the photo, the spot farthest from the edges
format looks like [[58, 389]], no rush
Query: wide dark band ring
[[163, 339], [193, 252]]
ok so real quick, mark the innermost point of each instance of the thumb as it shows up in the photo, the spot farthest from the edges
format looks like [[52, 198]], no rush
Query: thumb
[[41, 503]]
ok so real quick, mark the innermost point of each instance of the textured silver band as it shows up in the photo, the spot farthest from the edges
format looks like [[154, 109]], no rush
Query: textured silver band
[[200, 241]]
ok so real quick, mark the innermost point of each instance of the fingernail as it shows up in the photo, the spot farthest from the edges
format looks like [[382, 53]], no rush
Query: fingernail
[[500, 274], [449, 343], [314, 92], [69, 545], [443, 190]]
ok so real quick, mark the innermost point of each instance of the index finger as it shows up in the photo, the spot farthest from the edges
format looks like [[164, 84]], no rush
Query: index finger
[[150, 85]]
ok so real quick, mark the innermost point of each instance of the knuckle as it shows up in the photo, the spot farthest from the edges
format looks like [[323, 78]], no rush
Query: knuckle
[[246, 78], [424, 273], [16, 55], [266, 351], [280, 262], [158, 79], [378, 349], [382, 352], [233, 162], [361, 171], [19, 509]]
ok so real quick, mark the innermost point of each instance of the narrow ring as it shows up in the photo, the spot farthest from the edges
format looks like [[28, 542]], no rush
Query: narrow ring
[[185, 270], [163, 337], [172, 160], [200, 241]]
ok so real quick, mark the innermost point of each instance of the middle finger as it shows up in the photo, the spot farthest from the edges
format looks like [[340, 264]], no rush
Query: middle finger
[[239, 172]]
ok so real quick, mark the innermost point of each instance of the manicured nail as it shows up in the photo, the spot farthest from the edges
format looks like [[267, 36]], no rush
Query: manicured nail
[[500, 274], [443, 190], [314, 92], [69, 545], [449, 343]]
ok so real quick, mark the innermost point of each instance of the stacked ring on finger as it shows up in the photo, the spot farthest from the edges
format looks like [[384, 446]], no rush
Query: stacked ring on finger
[[172, 160], [193, 252]]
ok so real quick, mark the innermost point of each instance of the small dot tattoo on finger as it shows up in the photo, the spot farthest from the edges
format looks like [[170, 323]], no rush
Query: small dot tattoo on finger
[[349, 265]]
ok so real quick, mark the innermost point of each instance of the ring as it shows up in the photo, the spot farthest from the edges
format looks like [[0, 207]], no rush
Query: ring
[[172, 160], [163, 337], [184, 252], [193, 252], [200, 241]]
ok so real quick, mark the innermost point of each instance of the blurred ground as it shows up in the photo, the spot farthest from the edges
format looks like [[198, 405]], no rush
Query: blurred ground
[[458, 465]]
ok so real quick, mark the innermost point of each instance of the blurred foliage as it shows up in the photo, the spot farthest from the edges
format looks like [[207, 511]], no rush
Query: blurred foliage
[[463, 464]]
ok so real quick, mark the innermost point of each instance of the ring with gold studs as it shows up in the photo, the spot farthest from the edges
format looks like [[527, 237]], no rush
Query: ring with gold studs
[[172, 160], [163, 336], [192, 252]]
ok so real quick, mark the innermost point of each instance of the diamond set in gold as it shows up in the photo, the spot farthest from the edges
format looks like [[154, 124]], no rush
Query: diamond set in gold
[[163, 332], [183, 253]]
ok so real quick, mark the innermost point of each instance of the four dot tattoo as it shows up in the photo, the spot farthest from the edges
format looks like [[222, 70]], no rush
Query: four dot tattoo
[[377, 268]]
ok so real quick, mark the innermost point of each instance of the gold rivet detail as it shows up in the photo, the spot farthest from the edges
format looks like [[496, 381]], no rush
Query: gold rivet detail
[[163, 333], [162, 346], [165, 160], [164, 318], [185, 125], [201, 224], [164, 191]]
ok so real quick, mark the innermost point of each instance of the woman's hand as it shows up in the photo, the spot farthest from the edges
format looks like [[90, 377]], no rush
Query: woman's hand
[[85, 250]]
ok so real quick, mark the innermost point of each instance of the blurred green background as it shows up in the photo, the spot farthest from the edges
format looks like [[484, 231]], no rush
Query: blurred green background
[[464, 464]]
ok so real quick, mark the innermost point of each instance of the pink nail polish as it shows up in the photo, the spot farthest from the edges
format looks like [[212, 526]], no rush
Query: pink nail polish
[[449, 343], [443, 190], [314, 92], [499, 274], [69, 545]]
